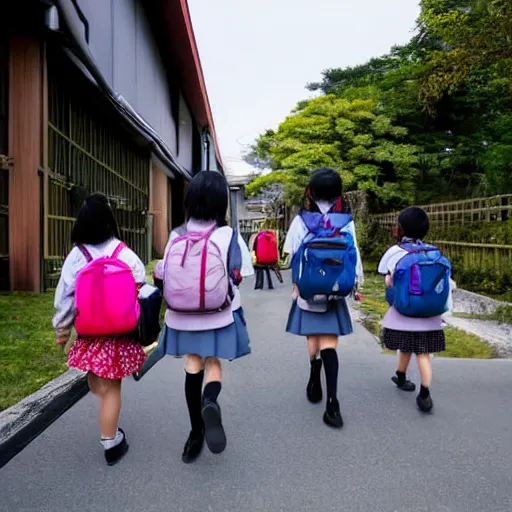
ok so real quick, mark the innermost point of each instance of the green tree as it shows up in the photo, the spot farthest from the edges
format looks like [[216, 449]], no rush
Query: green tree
[[352, 136], [450, 92]]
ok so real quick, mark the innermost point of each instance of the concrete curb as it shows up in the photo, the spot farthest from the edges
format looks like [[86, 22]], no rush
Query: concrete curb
[[23, 422]]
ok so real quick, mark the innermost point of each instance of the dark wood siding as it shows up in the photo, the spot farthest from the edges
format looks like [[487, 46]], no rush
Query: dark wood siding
[[25, 86], [4, 173]]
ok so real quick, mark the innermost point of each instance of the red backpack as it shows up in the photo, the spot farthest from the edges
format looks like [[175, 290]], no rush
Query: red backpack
[[267, 252]]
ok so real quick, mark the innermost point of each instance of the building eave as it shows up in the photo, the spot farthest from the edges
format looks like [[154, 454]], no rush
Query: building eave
[[183, 46]]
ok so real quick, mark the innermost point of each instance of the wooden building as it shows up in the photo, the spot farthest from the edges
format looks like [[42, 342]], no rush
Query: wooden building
[[96, 96]]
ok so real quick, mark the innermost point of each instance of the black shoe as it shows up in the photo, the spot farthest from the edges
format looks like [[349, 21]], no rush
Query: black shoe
[[213, 430], [332, 415], [314, 387], [425, 403], [115, 454], [193, 447], [406, 386]]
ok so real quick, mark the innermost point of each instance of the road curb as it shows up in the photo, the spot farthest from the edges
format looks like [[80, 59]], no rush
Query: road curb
[[23, 422]]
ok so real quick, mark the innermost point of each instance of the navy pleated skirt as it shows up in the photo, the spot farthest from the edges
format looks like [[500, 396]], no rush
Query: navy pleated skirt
[[335, 321], [230, 342]]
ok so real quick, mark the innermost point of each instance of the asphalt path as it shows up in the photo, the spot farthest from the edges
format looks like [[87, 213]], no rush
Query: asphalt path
[[389, 457]]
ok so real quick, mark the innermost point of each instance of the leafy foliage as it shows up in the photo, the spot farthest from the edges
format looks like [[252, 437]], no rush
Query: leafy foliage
[[352, 136], [431, 120]]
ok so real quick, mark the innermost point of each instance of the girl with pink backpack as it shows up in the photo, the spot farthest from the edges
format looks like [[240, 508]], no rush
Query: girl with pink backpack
[[201, 268], [98, 295]]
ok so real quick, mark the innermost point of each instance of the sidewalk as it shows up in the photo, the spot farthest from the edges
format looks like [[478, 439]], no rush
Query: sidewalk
[[280, 456]]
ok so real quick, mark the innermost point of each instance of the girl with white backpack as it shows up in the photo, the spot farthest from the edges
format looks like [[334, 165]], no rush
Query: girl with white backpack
[[203, 263]]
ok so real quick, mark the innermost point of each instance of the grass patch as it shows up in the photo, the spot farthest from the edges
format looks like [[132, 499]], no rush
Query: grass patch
[[462, 344], [150, 268], [29, 356], [458, 343]]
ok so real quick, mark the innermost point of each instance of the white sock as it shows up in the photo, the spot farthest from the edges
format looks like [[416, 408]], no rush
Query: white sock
[[110, 442]]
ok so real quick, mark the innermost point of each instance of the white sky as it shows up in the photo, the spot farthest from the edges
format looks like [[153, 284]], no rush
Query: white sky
[[258, 55]]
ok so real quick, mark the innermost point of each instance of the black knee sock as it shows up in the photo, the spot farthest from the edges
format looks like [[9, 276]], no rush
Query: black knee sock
[[424, 391], [331, 365], [258, 285], [211, 391], [269, 279], [193, 388]]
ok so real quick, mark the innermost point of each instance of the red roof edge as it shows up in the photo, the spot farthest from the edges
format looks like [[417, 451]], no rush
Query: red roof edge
[[184, 47]]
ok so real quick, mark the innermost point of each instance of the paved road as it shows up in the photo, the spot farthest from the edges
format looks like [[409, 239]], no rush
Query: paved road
[[280, 456]]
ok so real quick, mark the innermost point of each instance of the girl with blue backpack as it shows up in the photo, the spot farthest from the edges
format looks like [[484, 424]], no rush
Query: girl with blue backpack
[[418, 289], [97, 294], [202, 267], [326, 268]]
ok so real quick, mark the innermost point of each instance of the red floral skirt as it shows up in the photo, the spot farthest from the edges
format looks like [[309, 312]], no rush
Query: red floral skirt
[[110, 358]]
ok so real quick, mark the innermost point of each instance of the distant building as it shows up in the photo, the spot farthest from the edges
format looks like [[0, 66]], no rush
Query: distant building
[[243, 209], [96, 96]]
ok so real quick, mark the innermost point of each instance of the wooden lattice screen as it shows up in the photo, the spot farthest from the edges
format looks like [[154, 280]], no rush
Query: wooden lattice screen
[[89, 152]]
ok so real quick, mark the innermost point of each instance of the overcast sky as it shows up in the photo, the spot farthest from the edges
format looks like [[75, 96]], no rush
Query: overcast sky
[[258, 55]]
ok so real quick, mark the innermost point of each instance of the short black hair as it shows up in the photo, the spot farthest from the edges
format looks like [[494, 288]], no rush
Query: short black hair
[[325, 184], [414, 223], [95, 222], [207, 197]]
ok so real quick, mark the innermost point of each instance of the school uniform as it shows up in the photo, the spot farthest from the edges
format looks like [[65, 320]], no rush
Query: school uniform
[[330, 318], [409, 335], [114, 357], [221, 334]]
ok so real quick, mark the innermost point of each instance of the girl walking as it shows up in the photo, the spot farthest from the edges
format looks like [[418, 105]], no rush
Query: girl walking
[[107, 357], [204, 321], [411, 335], [322, 323]]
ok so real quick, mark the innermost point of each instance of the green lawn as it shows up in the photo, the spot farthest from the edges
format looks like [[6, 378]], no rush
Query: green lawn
[[29, 356], [458, 343]]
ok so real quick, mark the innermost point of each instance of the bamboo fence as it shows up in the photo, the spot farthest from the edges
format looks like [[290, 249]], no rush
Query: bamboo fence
[[457, 213], [497, 257]]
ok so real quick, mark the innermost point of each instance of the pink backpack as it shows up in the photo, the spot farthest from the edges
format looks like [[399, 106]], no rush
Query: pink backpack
[[195, 274], [106, 297]]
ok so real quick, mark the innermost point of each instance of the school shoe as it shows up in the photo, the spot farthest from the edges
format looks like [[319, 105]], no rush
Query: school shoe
[[332, 415], [214, 434], [425, 403], [115, 454], [406, 386], [193, 447], [314, 387]]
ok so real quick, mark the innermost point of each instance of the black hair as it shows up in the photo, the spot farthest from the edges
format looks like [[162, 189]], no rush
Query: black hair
[[95, 222], [325, 184], [207, 197], [414, 223]]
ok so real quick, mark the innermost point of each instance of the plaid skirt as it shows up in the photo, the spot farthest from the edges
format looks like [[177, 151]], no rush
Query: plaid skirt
[[409, 342]]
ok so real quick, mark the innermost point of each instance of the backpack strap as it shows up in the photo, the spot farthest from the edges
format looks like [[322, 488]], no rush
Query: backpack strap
[[85, 252], [234, 253], [118, 250]]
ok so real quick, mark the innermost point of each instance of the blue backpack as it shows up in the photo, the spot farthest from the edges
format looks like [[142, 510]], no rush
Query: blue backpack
[[421, 282], [325, 265]]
